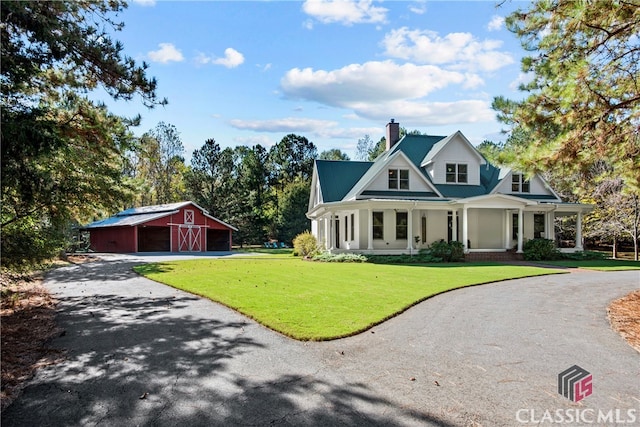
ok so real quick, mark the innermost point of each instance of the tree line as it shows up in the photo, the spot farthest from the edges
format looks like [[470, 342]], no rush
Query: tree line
[[66, 159], [264, 193]]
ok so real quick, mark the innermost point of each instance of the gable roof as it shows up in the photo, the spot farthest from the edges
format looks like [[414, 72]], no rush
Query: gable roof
[[507, 172], [433, 152], [489, 178], [416, 147], [381, 163], [346, 180], [140, 215], [337, 177]]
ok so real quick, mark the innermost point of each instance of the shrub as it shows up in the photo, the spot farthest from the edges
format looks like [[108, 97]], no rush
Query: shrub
[[305, 245], [346, 257], [540, 250], [447, 251], [457, 251]]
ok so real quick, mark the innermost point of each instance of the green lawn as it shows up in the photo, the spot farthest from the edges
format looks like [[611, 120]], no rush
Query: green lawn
[[320, 301], [601, 264]]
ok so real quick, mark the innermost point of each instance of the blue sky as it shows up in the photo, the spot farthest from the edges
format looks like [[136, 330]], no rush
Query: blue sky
[[251, 72]]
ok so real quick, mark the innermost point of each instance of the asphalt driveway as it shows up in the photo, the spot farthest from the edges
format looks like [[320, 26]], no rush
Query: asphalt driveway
[[141, 353]]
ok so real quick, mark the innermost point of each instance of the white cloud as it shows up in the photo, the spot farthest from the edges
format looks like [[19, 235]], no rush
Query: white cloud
[[431, 113], [202, 59], [166, 53], [472, 81], [232, 58], [345, 12], [371, 82], [522, 79], [456, 50], [145, 2], [375, 90], [287, 124], [496, 23], [263, 140], [313, 128], [419, 7]]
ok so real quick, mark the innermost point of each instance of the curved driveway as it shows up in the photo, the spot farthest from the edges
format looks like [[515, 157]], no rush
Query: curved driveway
[[141, 353]]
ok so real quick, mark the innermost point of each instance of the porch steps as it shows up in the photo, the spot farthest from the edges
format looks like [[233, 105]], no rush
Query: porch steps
[[493, 256]]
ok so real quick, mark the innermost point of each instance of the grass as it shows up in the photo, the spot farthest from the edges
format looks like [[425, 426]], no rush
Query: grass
[[322, 301], [263, 250], [600, 264]]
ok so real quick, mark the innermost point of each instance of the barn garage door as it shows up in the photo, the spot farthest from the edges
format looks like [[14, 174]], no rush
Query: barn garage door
[[189, 238], [154, 239], [218, 240]]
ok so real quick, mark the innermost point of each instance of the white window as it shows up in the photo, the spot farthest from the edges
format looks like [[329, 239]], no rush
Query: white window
[[188, 216], [401, 225], [519, 184], [352, 225], [456, 173], [398, 179], [378, 225]]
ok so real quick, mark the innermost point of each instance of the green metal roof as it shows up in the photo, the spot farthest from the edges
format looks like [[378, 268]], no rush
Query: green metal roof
[[401, 194], [536, 196], [461, 191], [416, 147], [337, 177], [347, 179]]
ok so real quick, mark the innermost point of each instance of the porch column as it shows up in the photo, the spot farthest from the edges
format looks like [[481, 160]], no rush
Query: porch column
[[579, 232], [332, 230], [549, 226], [410, 231], [326, 233], [465, 228], [370, 231], [454, 225], [520, 229], [507, 229]]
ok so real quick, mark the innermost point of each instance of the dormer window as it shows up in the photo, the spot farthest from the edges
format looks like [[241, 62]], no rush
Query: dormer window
[[519, 184], [398, 179], [456, 173]]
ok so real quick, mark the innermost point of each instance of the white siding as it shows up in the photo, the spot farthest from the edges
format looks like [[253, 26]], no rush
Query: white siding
[[486, 229], [437, 226], [345, 232], [362, 226], [381, 182], [537, 187], [456, 151], [528, 226]]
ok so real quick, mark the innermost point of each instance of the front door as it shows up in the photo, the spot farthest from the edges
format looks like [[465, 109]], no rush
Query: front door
[[189, 238]]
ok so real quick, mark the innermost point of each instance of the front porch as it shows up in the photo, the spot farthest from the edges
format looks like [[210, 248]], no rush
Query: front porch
[[496, 225]]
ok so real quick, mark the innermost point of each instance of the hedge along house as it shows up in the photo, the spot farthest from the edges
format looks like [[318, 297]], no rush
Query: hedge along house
[[174, 227], [427, 188]]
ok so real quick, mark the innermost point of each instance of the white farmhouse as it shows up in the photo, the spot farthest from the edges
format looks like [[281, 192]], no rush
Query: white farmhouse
[[427, 188]]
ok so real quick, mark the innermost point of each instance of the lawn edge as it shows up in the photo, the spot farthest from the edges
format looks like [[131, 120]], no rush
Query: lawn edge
[[358, 331]]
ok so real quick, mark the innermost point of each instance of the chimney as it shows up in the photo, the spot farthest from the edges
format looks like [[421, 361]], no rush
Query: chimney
[[393, 133]]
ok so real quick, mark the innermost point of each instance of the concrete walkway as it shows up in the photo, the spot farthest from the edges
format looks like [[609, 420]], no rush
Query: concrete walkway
[[141, 353]]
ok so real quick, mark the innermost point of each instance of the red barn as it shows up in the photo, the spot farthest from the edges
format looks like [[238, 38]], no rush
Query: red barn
[[174, 227]]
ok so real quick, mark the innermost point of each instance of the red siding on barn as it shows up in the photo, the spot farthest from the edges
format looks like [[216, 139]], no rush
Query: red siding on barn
[[187, 232], [114, 239]]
